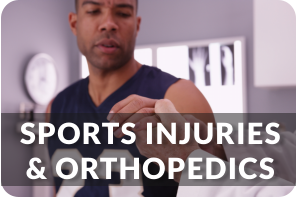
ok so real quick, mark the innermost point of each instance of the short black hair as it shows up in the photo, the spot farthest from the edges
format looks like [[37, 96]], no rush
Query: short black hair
[[76, 5]]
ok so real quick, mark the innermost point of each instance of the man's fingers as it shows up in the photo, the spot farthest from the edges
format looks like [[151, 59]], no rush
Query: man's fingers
[[141, 131], [125, 108], [168, 114], [202, 127], [119, 106], [190, 118], [203, 133], [142, 124], [165, 106], [136, 117]]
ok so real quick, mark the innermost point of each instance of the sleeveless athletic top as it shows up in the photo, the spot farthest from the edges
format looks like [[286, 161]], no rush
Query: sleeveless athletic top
[[75, 105]]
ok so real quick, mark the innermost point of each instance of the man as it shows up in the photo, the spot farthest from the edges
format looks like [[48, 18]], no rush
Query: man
[[106, 31]]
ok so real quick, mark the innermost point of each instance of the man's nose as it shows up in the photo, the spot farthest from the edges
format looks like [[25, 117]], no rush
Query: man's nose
[[108, 23]]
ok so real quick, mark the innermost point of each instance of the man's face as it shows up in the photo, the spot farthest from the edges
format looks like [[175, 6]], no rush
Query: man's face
[[106, 31]]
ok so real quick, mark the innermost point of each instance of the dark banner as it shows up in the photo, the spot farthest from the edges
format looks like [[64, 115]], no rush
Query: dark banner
[[149, 150]]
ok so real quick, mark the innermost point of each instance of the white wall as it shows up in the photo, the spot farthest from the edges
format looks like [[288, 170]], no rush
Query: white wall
[[30, 27], [274, 44]]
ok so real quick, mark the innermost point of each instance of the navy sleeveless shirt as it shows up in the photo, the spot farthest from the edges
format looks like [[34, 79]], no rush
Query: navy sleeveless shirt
[[75, 105]]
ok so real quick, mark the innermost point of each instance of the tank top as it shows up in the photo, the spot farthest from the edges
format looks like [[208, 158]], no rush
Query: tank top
[[75, 105]]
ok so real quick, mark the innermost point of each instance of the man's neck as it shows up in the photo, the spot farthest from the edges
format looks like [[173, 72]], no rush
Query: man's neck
[[103, 83]]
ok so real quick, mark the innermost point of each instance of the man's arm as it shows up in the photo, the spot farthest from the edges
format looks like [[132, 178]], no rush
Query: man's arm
[[188, 99], [183, 94]]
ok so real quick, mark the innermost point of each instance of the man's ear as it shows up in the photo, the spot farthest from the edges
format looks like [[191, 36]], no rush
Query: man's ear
[[138, 25], [73, 22]]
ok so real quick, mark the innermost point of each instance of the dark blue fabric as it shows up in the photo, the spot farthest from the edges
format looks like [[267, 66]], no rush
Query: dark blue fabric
[[75, 105]]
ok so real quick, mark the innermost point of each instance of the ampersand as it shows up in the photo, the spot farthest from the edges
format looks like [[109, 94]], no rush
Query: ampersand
[[39, 173]]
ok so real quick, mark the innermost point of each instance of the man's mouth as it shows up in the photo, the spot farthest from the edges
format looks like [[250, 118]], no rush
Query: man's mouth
[[108, 46], [108, 49]]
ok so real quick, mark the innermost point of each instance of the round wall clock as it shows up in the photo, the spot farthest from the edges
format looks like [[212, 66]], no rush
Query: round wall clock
[[41, 78]]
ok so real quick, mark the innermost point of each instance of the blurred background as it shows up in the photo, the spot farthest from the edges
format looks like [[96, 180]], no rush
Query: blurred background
[[266, 30]]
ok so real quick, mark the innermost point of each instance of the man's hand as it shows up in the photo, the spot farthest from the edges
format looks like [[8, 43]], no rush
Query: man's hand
[[165, 114], [132, 109], [212, 147]]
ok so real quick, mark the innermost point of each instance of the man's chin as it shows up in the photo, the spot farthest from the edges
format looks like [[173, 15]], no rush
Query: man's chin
[[109, 65], [109, 62]]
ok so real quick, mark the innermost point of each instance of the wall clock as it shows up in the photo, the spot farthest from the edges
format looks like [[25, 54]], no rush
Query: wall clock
[[41, 78]]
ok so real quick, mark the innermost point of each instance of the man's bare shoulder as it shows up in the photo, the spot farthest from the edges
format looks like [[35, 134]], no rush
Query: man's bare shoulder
[[187, 98]]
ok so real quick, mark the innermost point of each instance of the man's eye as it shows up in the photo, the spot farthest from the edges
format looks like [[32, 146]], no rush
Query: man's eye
[[93, 12], [124, 14]]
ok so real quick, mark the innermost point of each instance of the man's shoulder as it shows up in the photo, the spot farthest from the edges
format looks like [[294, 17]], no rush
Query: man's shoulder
[[183, 87], [187, 98]]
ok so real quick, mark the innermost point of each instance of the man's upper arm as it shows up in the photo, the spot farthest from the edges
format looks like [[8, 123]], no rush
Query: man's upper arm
[[188, 99]]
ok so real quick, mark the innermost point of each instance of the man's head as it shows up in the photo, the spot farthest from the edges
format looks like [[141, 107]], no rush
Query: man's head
[[106, 31], [76, 5]]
